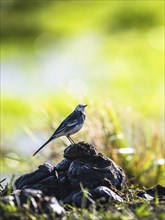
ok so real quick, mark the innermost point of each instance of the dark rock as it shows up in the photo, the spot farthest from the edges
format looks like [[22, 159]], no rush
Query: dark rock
[[82, 167], [49, 186], [65, 188], [155, 192], [52, 205], [84, 199], [36, 201], [102, 192], [79, 150], [42, 172], [91, 173], [63, 165], [158, 190], [44, 179], [145, 195], [77, 199]]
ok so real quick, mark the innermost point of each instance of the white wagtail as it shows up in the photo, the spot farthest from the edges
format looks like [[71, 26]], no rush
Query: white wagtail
[[72, 124]]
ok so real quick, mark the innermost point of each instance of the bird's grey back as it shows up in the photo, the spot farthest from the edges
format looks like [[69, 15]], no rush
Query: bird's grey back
[[71, 124]]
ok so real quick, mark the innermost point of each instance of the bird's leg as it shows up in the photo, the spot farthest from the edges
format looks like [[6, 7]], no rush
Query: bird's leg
[[70, 139]]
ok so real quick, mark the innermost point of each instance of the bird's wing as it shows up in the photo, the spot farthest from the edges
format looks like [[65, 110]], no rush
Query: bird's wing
[[70, 121]]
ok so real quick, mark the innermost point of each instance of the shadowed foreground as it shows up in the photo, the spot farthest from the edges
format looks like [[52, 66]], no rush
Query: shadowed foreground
[[83, 178]]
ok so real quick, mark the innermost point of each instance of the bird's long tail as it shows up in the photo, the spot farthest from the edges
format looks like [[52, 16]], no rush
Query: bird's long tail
[[50, 139]]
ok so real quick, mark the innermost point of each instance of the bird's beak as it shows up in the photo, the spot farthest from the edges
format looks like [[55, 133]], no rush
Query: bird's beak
[[85, 106]]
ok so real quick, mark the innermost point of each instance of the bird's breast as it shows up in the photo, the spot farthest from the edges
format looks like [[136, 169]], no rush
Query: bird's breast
[[83, 116], [75, 129]]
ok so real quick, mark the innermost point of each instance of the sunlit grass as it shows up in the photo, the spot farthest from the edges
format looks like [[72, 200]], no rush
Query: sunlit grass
[[107, 128]]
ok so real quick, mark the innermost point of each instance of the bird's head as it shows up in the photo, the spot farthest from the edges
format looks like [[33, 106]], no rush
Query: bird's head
[[80, 108]]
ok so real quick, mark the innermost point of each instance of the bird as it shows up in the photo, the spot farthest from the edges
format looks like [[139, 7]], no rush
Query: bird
[[70, 125]]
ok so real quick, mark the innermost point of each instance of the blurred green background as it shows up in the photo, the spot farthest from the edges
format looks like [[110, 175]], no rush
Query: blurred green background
[[107, 54]]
